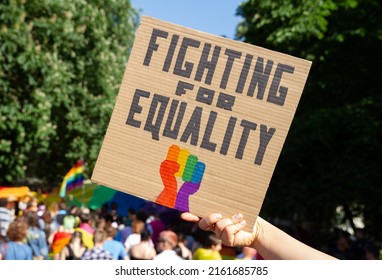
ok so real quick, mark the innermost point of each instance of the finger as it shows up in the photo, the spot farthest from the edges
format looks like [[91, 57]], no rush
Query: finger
[[231, 234], [198, 172], [189, 169], [173, 153], [189, 217], [221, 225], [208, 223], [182, 160]]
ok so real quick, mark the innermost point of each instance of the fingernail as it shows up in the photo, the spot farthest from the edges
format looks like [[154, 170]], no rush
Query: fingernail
[[243, 222], [239, 216], [218, 216]]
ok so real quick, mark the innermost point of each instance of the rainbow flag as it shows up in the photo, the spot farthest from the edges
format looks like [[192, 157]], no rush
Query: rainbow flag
[[73, 179], [60, 240]]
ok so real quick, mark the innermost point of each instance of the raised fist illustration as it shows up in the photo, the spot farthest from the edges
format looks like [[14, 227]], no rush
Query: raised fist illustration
[[180, 163]]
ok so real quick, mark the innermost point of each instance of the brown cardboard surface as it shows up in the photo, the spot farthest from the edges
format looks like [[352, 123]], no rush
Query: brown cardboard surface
[[201, 118]]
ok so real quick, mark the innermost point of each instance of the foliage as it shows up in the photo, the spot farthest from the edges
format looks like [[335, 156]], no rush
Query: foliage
[[61, 63], [332, 156]]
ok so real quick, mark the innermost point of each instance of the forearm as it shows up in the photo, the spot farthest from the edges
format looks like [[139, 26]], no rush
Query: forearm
[[274, 244]]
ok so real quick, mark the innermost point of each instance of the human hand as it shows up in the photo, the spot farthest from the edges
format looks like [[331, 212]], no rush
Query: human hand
[[269, 241], [180, 163], [228, 230]]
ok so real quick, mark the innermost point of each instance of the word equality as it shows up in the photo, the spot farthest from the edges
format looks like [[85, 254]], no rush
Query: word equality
[[207, 63], [165, 117]]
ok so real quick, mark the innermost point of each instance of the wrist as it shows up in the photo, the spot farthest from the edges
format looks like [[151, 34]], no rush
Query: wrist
[[257, 233]]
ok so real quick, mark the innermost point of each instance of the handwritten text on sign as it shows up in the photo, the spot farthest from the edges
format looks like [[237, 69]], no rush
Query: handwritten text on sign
[[255, 70]]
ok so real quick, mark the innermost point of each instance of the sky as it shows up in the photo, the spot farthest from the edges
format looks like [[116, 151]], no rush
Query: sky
[[211, 16]]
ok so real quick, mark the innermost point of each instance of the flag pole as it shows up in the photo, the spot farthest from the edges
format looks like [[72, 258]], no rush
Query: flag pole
[[83, 187], [83, 196]]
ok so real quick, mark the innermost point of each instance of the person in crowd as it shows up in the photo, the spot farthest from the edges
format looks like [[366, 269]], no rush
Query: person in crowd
[[85, 228], [269, 241], [47, 223], [15, 248], [36, 237], [63, 236], [135, 237], [50, 216], [62, 212], [141, 215], [114, 213], [53, 208], [185, 232], [123, 233], [41, 208], [145, 249], [110, 221], [93, 220], [210, 247], [166, 244], [116, 248], [97, 252], [185, 253], [100, 223], [128, 220], [125, 229], [155, 226], [75, 249], [31, 206], [6, 216]]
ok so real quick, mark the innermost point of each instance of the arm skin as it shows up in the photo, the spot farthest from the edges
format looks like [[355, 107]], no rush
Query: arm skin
[[269, 241]]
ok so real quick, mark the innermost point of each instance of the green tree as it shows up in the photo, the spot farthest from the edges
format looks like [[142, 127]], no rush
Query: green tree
[[61, 64], [331, 161]]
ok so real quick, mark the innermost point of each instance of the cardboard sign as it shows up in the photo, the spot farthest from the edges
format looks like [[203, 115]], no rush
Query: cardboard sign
[[199, 121]]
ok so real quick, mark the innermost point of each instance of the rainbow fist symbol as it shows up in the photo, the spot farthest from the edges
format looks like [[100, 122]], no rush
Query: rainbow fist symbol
[[180, 163]]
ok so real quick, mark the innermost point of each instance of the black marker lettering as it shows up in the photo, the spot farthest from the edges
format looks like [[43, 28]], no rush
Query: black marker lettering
[[186, 71], [135, 108], [272, 96], [153, 46], [247, 127], [154, 127]]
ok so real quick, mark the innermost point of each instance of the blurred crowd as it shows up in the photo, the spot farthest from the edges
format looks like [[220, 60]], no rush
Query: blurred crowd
[[59, 232], [36, 231]]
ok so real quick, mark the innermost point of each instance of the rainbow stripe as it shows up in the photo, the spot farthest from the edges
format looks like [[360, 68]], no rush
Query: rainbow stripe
[[60, 240], [73, 179]]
